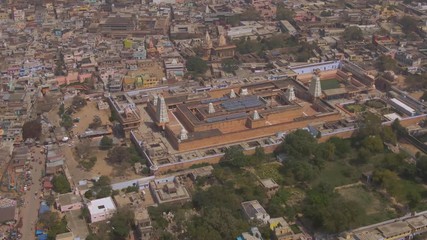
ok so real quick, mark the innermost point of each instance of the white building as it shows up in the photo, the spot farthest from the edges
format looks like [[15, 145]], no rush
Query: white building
[[101, 209], [254, 211]]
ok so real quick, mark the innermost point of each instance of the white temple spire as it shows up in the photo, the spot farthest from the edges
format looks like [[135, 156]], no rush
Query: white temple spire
[[155, 99], [315, 88], [232, 93], [183, 134], [162, 111], [256, 115], [211, 108], [290, 94]]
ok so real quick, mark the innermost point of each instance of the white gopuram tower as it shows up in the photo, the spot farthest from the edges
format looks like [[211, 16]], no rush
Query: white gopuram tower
[[232, 94], [211, 108], [290, 94], [315, 89], [162, 112], [256, 115], [183, 134], [155, 99]]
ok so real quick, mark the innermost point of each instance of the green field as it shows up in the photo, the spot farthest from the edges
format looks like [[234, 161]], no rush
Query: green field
[[330, 84], [354, 107], [377, 208], [270, 170], [337, 174]]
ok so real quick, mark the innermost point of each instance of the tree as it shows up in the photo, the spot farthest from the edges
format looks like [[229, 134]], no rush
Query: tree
[[370, 125], [96, 122], [119, 155], [197, 65], [327, 13], [60, 64], [89, 194], [386, 63], [55, 224], [61, 109], [102, 187], [83, 148], [61, 184], [67, 121], [260, 154], [88, 164], [325, 151], [31, 129], [78, 102], [284, 13], [399, 129], [329, 211], [250, 14], [235, 157], [299, 144], [373, 143], [106, 143], [342, 146], [353, 33], [230, 65], [416, 81], [121, 223], [103, 181], [409, 24], [422, 167], [388, 135]]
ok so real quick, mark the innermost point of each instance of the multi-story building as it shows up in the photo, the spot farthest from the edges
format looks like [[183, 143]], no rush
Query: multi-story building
[[125, 110], [101, 209]]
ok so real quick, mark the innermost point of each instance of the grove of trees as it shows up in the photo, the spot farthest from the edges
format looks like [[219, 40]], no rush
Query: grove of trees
[[353, 33], [196, 65], [61, 184], [32, 129]]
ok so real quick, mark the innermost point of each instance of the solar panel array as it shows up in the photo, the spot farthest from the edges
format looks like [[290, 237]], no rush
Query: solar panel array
[[213, 100], [226, 117], [241, 103]]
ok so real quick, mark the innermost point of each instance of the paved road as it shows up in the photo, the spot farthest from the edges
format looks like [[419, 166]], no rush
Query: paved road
[[31, 202]]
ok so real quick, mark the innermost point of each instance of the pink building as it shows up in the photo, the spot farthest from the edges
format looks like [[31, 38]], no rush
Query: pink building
[[68, 201], [72, 77], [61, 80], [265, 7], [84, 77]]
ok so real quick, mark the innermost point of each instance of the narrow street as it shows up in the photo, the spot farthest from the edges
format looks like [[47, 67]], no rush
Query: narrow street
[[29, 211]]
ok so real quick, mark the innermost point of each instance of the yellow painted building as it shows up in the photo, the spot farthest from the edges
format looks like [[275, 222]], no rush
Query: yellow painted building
[[139, 79]]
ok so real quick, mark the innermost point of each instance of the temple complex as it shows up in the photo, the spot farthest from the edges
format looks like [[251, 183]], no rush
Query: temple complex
[[218, 51]]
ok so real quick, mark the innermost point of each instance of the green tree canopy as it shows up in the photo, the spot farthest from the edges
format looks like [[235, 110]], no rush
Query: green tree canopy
[[230, 65], [329, 211], [353, 33], [250, 14], [299, 144], [284, 13], [197, 65], [422, 167], [96, 122], [106, 143], [61, 184], [119, 155], [235, 157], [78, 102], [373, 143], [409, 24], [386, 63], [121, 223], [32, 129], [67, 121]]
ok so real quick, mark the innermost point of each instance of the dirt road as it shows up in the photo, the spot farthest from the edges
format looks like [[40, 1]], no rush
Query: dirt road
[[29, 211]]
